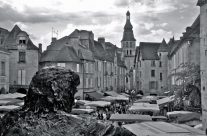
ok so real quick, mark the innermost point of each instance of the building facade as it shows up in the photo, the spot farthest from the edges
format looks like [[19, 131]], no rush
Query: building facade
[[128, 45], [4, 71], [184, 51], [3, 35], [151, 67], [23, 61], [203, 58], [94, 61]]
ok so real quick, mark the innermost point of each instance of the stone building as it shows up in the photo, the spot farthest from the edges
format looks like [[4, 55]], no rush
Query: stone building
[[151, 67], [72, 52], [3, 35], [184, 51], [128, 45], [203, 58], [94, 61], [24, 58], [4, 70]]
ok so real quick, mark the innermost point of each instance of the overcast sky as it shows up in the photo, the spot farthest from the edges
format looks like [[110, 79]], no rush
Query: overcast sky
[[152, 20]]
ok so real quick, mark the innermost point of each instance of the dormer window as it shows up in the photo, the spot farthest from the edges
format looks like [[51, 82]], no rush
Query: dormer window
[[22, 40]]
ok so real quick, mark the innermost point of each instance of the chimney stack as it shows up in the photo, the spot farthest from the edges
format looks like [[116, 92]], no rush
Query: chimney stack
[[102, 41], [54, 39], [40, 47]]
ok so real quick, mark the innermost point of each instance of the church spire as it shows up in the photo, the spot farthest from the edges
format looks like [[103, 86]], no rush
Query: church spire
[[128, 32]]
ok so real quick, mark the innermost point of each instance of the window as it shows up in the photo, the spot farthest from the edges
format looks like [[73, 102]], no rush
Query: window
[[3, 68], [22, 41], [21, 77], [78, 68], [153, 63], [127, 44], [22, 56], [152, 73], [160, 64], [127, 52], [86, 82], [140, 64], [160, 54], [86, 67], [131, 44], [205, 52], [153, 85], [61, 65], [130, 52], [160, 76]]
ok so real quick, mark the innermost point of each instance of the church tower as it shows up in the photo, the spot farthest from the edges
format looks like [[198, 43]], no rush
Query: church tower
[[128, 43]]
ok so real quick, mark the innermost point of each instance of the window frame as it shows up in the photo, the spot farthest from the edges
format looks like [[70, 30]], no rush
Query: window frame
[[22, 56]]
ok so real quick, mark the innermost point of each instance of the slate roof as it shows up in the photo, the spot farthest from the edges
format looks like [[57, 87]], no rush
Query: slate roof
[[4, 50], [98, 51], [163, 47], [111, 51], [67, 49], [10, 42], [148, 50], [66, 54], [120, 63], [189, 35], [128, 34], [201, 2]]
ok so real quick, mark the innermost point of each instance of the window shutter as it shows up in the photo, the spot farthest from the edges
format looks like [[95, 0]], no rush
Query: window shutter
[[19, 77], [23, 77]]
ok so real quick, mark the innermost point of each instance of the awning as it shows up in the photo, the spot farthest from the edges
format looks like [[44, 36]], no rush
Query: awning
[[124, 94], [115, 98], [141, 107], [166, 100], [162, 129], [98, 103], [82, 111], [189, 117], [178, 113], [95, 95], [111, 93], [130, 117]]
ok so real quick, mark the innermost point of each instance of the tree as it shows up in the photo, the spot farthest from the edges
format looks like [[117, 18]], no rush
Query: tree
[[187, 88]]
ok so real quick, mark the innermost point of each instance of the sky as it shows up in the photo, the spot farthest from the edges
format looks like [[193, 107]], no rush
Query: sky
[[152, 20]]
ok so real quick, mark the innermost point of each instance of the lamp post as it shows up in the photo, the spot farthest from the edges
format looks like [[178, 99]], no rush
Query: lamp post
[[83, 79]]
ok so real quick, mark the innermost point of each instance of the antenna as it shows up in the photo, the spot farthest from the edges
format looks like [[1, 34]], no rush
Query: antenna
[[128, 4], [54, 32]]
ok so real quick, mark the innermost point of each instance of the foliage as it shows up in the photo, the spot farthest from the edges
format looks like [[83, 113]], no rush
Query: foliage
[[187, 88]]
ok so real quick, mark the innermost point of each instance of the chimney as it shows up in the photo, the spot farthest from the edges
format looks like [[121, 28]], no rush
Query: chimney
[[54, 39], [188, 29], [102, 41], [40, 47]]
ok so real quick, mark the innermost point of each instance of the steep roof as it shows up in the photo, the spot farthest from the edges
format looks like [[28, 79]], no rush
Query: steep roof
[[190, 34], [4, 50], [201, 2], [67, 53], [163, 47], [67, 49], [148, 50], [98, 51], [128, 34], [111, 51], [120, 63], [10, 42]]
